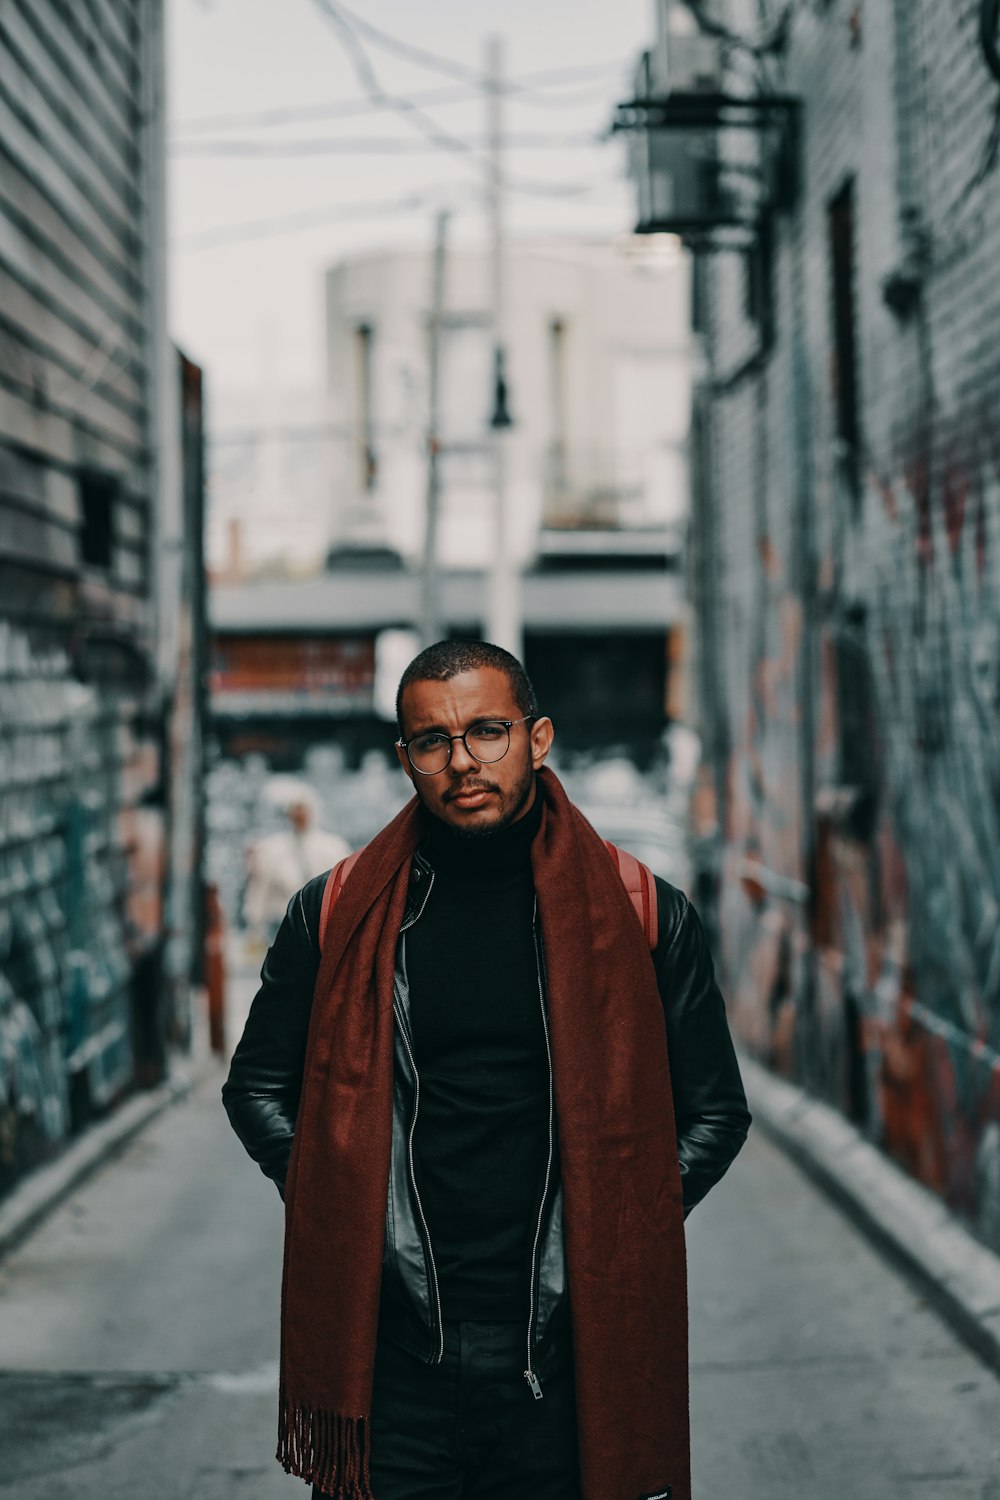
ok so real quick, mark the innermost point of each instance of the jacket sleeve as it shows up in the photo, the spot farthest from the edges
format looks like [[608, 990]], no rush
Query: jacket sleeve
[[710, 1106], [261, 1094]]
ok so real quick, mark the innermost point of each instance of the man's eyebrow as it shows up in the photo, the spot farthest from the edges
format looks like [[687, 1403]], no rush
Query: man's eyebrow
[[443, 728], [428, 729]]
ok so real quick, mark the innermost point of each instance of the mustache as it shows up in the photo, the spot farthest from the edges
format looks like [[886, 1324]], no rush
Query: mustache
[[469, 786]]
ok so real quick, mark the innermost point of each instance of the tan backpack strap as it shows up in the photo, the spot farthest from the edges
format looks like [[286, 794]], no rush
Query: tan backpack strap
[[334, 885], [640, 886], [637, 878]]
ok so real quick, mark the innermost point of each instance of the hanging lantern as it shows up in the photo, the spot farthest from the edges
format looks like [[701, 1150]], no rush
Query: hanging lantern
[[707, 166]]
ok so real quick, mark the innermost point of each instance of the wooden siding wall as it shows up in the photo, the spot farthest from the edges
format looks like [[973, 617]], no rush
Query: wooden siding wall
[[80, 832]]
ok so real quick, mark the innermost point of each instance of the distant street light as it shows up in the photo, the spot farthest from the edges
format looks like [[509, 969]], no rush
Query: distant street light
[[501, 416]]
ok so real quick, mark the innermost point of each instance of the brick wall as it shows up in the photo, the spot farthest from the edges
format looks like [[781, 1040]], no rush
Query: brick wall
[[857, 666], [82, 812]]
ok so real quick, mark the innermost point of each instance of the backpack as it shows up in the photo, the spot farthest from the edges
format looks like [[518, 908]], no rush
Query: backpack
[[637, 878]]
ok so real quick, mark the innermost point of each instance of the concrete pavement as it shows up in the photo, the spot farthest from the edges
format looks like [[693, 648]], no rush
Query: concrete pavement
[[34, 1199], [818, 1372], [139, 1327], [958, 1274]]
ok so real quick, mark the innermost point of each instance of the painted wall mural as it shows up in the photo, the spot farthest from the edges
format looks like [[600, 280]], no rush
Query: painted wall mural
[[882, 991], [66, 951]]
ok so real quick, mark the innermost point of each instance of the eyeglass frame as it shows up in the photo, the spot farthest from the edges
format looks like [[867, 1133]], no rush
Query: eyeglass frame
[[508, 724]]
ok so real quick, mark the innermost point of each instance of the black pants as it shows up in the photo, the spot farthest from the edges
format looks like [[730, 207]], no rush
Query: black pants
[[469, 1428]]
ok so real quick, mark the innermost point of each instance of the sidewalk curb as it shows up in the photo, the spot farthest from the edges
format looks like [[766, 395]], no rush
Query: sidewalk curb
[[957, 1274], [46, 1187]]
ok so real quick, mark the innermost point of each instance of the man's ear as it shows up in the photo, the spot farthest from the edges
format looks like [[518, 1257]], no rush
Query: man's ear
[[542, 735]]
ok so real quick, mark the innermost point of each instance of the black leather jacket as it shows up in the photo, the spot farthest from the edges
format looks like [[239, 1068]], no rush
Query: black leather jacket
[[261, 1097]]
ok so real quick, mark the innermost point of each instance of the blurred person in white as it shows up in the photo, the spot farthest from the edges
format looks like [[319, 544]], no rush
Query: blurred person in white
[[280, 863]]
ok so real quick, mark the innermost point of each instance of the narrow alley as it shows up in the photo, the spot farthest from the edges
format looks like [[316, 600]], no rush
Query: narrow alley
[[139, 1327], [551, 454]]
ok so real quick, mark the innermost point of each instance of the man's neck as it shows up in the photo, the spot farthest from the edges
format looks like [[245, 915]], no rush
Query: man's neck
[[506, 848]]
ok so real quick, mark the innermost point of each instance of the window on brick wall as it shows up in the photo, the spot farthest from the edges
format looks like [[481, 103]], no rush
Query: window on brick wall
[[859, 763], [98, 501], [843, 312]]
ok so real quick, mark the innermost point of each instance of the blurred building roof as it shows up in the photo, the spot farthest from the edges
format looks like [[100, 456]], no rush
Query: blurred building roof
[[362, 601]]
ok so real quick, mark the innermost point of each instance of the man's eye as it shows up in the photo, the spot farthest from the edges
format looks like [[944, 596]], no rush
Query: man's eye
[[488, 731], [428, 742]]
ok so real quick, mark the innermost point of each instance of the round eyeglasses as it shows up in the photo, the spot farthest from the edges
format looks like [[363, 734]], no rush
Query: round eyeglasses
[[487, 741]]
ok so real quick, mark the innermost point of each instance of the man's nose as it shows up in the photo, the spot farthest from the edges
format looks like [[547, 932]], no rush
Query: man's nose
[[461, 760]]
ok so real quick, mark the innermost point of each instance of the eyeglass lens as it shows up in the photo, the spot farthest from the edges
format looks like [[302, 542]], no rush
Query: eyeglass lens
[[485, 742]]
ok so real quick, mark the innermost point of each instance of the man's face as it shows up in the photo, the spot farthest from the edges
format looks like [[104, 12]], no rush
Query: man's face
[[476, 798]]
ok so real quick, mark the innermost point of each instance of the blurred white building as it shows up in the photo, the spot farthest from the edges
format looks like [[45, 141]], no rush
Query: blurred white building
[[599, 369], [271, 459], [599, 355]]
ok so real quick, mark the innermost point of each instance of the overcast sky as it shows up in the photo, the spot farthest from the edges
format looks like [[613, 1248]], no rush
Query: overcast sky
[[252, 294]]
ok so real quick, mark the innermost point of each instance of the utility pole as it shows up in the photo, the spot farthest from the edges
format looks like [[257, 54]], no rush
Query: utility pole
[[503, 622], [430, 614]]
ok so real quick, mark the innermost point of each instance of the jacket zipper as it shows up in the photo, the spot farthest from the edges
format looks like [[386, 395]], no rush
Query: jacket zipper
[[530, 1375], [534, 1384], [416, 1195], [428, 1250]]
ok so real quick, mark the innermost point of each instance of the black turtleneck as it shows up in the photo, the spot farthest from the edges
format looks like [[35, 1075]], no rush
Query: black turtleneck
[[481, 1139]]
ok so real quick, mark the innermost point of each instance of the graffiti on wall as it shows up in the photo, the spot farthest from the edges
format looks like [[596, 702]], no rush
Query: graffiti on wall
[[65, 971], [873, 975], [934, 649]]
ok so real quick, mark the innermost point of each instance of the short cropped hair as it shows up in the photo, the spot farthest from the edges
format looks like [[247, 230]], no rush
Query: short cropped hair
[[446, 659]]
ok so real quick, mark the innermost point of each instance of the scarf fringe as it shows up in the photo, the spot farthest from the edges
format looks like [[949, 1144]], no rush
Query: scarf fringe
[[324, 1448]]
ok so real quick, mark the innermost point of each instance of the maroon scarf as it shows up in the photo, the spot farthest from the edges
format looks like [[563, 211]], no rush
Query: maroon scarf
[[618, 1161]]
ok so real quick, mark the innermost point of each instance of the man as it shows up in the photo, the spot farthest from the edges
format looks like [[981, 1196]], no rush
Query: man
[[486, 1136]]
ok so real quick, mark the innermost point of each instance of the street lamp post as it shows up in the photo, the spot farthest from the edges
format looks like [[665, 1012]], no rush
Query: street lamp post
[[503, 623], [430, 610]]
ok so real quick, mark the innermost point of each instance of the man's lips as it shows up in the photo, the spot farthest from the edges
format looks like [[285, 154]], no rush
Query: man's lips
[[470, 796]]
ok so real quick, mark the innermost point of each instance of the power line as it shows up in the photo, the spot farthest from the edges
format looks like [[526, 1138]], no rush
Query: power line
[[361, 63], [539, 189], [774, 41], [258, 229], [337, 15], [272, 228], [530, 89], [315, 432], [521, 91], [435, 62], [290, 114], [371, 145], [581, 99]]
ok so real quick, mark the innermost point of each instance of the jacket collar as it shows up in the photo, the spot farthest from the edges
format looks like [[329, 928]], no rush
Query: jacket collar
[[421, 879]]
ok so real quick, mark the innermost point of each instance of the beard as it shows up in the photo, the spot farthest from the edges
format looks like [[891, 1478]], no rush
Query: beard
[[513, 802]]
